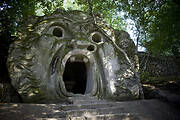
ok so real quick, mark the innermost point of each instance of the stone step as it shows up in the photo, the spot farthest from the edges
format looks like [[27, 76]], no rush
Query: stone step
[[87, 110], [12, 111], [89, 106], [146, 109], [48, 119], [97, 111], [83, 97], [120, 116], [88, 101]]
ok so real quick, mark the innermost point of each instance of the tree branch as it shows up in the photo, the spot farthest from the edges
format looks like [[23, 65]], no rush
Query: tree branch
[[91, 10], [90, 7]]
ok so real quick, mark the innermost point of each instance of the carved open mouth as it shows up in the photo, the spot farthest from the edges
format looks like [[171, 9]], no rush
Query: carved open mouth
[[78, 74], [75, 74]]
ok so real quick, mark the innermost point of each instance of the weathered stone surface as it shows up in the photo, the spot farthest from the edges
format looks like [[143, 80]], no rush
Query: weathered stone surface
[[68, 53]]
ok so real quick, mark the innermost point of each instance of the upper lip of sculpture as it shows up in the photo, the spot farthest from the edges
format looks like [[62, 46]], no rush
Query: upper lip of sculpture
[[77, 55], [78, 58]]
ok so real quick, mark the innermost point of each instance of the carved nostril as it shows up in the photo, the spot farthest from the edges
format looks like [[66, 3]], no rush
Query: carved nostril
[[91, 48]]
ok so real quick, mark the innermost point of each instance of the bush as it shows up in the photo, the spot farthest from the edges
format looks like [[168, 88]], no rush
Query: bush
[[145, 77]]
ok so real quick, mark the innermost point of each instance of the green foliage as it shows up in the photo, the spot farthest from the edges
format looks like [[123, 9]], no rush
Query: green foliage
[[156, 22], [107, 8], [71, 5], [48, 6], [13, 12], [145, 77], [165, 30]]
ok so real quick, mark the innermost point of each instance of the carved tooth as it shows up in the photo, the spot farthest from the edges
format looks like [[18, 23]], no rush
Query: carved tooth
[[72, 59], [85, 60]]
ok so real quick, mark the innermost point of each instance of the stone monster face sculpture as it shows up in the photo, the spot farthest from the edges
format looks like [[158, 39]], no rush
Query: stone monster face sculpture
[[69, 54]]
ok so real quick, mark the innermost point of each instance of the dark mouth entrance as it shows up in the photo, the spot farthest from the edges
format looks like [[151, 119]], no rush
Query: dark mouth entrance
[[75, 77]]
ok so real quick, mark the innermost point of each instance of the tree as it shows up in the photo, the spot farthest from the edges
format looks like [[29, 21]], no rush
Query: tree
[[13, 12], [165, 31], [107, 8], [156, 22]]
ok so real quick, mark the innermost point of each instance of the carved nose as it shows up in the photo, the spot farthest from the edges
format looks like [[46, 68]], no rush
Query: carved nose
[[91, 48], [82, 45]]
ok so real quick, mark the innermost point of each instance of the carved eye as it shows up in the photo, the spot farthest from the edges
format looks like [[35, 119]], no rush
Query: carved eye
[[58, 32], [96, 37]]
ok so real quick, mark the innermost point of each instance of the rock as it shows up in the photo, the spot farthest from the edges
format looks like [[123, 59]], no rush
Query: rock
[[66, 54]]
